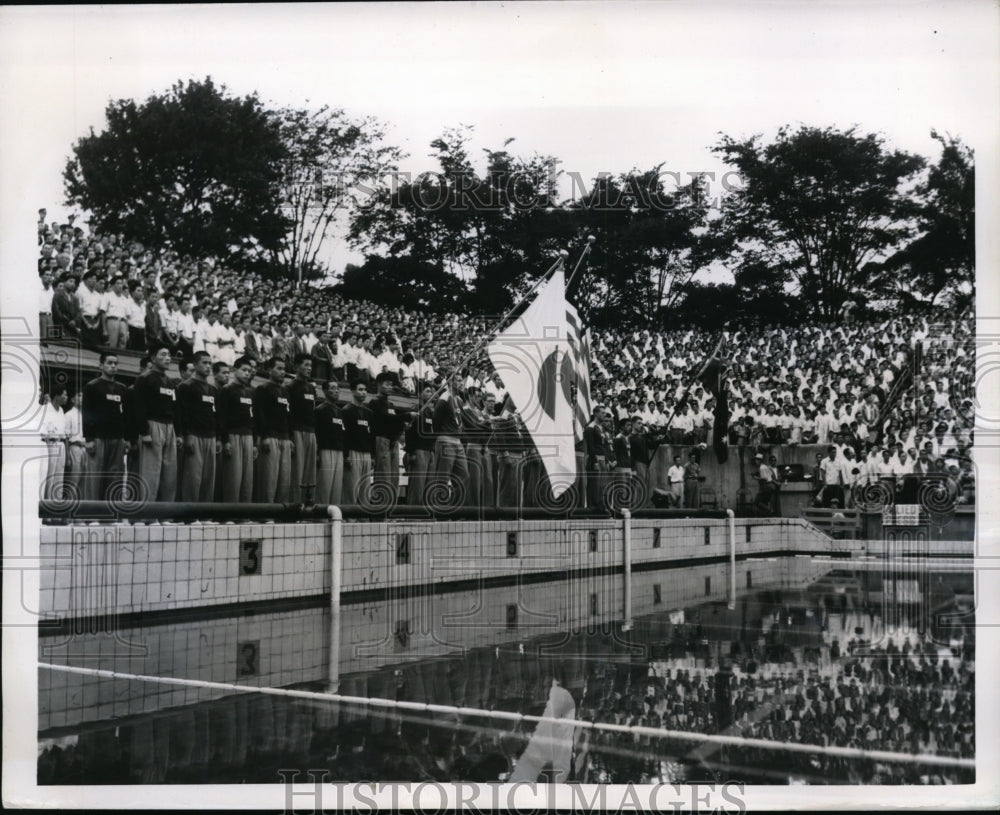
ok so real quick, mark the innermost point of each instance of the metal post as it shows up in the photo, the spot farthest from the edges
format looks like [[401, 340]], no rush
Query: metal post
[[336, 577], [732, 558], [627, 558]]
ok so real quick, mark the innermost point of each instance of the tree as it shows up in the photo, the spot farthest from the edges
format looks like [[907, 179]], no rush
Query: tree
[[333, 163], [938, 267], [647, 245], [817, 205], [491, 232], [194, 169], [403, 282]]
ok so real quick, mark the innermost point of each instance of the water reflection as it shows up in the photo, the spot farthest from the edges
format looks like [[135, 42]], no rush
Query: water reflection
[[813, 655]]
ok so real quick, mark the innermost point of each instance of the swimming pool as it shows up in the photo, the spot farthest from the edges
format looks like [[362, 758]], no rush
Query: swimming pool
[[862, 654]]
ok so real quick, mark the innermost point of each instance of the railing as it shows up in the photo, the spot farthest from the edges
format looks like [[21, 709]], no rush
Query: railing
[[54, 510]]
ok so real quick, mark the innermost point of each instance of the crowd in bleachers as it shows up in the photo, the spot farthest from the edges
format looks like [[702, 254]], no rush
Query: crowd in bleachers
[[820, 384]]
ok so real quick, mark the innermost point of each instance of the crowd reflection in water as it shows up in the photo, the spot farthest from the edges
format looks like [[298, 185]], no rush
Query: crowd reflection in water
[[811, 674]]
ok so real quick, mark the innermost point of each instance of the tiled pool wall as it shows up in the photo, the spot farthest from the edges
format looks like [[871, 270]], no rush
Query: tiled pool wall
[[128, 569]]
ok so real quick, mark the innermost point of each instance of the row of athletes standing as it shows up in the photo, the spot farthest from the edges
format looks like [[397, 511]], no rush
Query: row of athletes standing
[[279, 442], [194, 441]]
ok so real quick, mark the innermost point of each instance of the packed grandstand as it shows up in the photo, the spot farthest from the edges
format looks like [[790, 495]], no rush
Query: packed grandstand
[[788, 386]]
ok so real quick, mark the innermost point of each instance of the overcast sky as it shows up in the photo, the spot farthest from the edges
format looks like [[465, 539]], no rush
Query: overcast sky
[[602, 86]]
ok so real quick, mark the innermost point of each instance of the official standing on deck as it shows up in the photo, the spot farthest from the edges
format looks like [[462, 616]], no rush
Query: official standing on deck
[[330, 447], [302, 423], [104, 429], [235, 424], [197, 427], [359, 441], [274, 447], [154, 402]]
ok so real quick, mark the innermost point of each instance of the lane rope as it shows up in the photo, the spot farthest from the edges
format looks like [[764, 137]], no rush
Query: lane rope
[[427, 707]]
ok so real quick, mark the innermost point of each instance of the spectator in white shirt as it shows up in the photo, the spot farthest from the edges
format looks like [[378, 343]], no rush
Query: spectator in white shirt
[[186, 328], [136, 319], [227, 340], [833, 478], [45, 305], [76, 447], [116, 310], [675, 478], [90, 309], [240, 330], [211, 336], [309, 340], [53, 431], [169, 318]]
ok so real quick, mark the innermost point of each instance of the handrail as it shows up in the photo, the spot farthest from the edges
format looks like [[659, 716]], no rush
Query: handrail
[[627, 569], [732, 558], [336, 580], [110, 511]]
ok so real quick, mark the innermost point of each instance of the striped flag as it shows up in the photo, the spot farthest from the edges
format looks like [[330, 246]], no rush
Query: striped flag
[[579, 342]]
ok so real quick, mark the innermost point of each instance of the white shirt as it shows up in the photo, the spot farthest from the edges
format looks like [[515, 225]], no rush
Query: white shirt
[[675, 474], [199, 335], [45, 301], [847, 465], [211, 339], [53, 422], [169, 319], [73, 420], [90, 301], [831, 471], [390, 362], [136, 314], [116, 306], [186, 325]]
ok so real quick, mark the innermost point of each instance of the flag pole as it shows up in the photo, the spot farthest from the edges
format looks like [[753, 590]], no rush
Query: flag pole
[[586, 250], [502, 324], [683, 400]]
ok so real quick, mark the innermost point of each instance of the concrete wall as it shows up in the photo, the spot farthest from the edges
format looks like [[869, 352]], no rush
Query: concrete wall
[[738, 473], [122, 569]]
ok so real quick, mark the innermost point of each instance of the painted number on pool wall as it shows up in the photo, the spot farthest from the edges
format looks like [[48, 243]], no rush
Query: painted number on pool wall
[[247, 658], [250, 556]]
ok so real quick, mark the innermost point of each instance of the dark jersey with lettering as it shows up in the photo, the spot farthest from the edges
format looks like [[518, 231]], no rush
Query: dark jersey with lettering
[[329, 427], [196, 409], [104, 409], [271, 410], [154, 400], [358, 430], [234, 411], [302, 396]]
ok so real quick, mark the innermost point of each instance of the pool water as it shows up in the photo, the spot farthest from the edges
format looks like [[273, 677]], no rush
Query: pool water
[[847, 654]]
